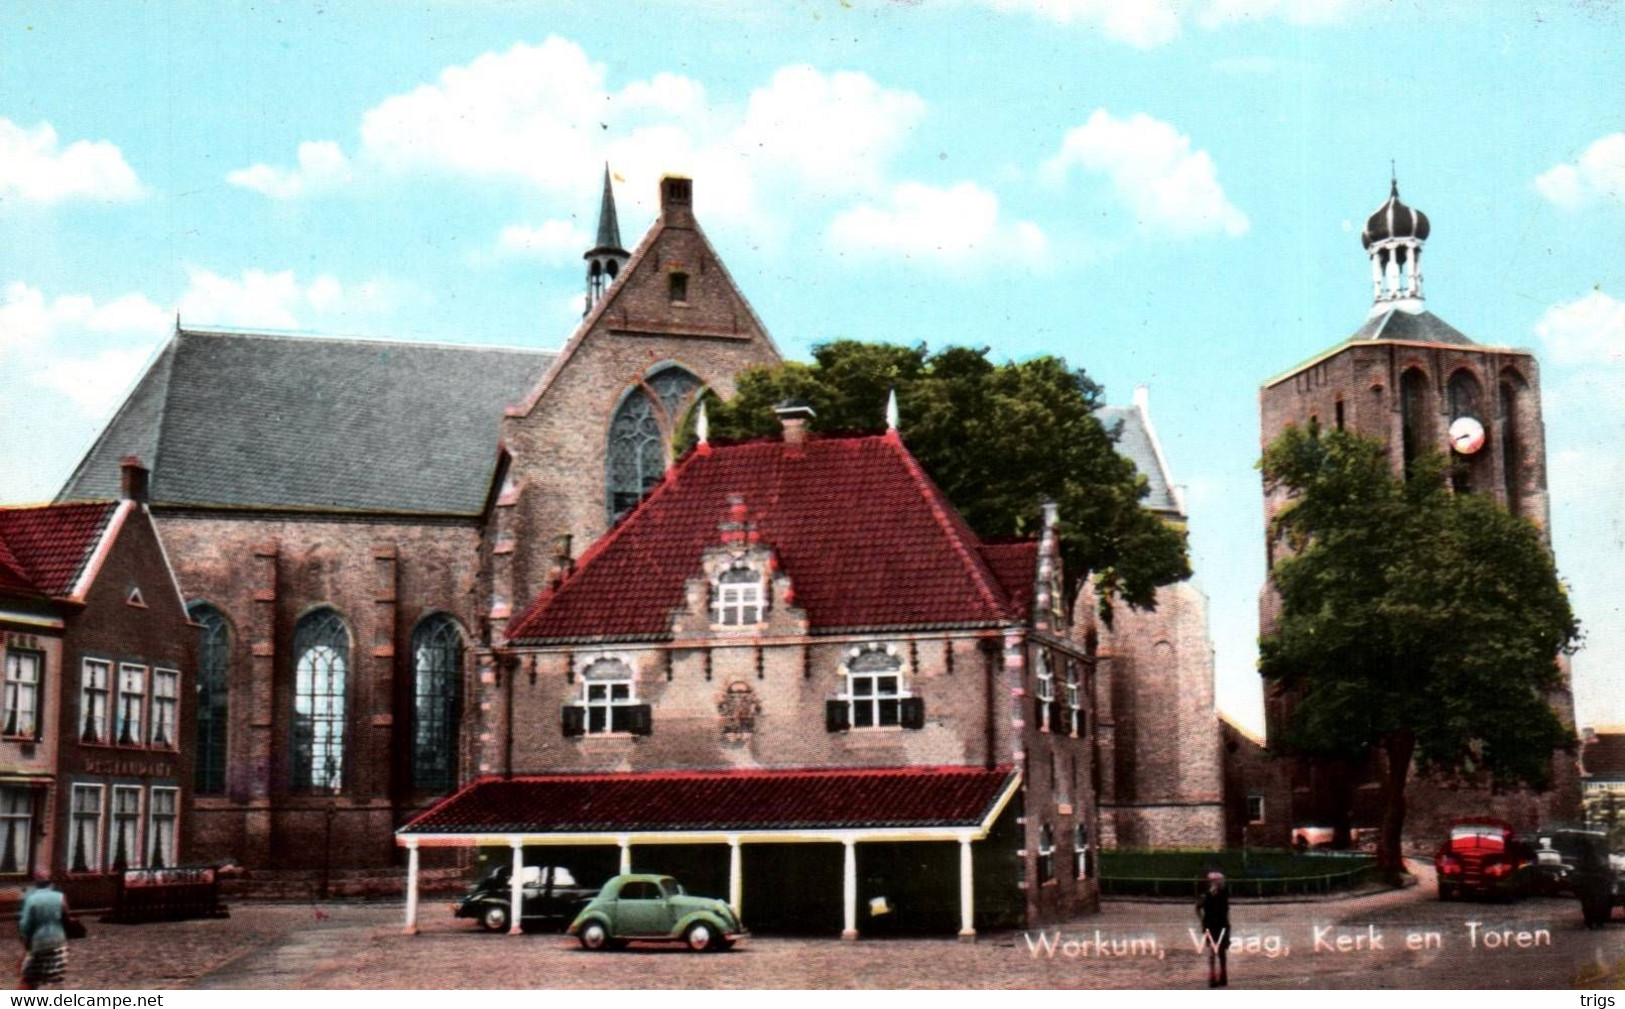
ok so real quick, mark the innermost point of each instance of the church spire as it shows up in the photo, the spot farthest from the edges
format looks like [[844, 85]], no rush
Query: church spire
[[606, 258]]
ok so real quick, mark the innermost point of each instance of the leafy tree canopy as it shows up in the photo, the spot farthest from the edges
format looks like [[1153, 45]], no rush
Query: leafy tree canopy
[[998, 439], [1413, 620]]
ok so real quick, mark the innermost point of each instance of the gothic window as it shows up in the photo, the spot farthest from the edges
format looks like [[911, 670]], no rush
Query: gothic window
[[1515, 421], [321, 649], [637, 454], [85, 837], [437, 664], [16, 829], [213, 660], [1417, 429], [737, 598], [673, 386]]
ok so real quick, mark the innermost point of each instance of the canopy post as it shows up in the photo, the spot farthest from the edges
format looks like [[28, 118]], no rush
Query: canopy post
[[516, 888], [411, 925], [626, 854], [850, 890], [736, 881], [967, 892]]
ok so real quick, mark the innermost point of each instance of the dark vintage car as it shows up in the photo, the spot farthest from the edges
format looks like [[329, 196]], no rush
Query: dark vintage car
[[1484, 857], [653, 908], [549, 897]]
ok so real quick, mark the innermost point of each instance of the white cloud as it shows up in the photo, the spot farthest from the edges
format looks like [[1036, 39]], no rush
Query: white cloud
[[1171, 188], [94, 383], [29, 320], [953, 225], [1598, 174], [1588, 330], [555, 241], [322, 166], [35, 168], [258, 299], [1148, 23], [836, 131]]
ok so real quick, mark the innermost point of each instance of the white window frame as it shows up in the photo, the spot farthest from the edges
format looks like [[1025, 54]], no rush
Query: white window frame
[[94, 816], [1044, 687], [1074, 694], [118, 817], [1080, 848], [1046, 853], [95, 695], [873, 698], [127, 721], [605, 696], [163, 825], [166, 694], [22, 695], [741, 602], [1251, 798], [13, 819]]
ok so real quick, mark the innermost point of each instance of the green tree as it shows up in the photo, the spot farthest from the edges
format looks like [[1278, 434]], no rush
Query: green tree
[[997, 438], [1415, 623]]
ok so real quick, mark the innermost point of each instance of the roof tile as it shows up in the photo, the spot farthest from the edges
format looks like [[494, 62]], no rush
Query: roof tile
[[48, 545]]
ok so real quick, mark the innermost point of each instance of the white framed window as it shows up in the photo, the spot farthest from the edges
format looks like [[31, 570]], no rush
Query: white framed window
[[737, 599], [1074, 695], [1080, 849], [163, 807], [125, 841], [609, 695], [132, 697], [874, 688], [85, 829], [93, 684], [1046, 853], [1255, 807], [166, 690], [16, 829], [21, 717], [1044, 676]]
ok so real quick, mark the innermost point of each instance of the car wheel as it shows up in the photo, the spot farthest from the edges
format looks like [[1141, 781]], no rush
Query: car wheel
[[595, 936], [494, 918], [701, 938]]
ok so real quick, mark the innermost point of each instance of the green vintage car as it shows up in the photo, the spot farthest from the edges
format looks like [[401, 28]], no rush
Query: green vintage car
[[655, 909]]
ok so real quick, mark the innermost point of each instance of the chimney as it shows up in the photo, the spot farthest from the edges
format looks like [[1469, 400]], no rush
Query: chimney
[[133, 485], [677, 199], [794, 415]]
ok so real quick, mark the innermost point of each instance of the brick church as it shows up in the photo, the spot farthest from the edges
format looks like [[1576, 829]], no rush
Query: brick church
[[358, 524], [1411, 379]]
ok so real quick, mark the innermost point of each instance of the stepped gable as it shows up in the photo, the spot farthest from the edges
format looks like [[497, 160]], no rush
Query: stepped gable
[[867, 540]]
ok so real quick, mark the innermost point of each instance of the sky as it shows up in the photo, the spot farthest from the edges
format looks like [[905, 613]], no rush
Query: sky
[[1165, 192]]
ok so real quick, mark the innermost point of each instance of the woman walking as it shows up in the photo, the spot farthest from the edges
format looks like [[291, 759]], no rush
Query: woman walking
[[1213, 909], [42, 924]]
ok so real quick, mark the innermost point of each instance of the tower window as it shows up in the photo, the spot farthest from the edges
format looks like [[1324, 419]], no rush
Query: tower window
[[677, 287], [1338, 416]]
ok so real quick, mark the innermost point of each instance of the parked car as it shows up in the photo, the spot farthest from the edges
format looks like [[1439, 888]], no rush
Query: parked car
[[549, 896], [1484, 857], [655, 909]]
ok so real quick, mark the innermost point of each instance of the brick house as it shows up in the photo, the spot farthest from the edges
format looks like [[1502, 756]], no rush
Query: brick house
[[795, 675], [1416, 382], [96, 726]]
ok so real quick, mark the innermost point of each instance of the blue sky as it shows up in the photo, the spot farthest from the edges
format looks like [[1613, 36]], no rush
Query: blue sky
[[1166, 192]]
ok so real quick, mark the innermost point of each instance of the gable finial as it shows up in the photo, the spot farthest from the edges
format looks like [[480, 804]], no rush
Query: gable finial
[[891, 411], [1393, 178]]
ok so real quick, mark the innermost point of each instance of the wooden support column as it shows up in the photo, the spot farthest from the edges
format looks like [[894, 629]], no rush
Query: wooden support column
[[516, 888], [967, 892], [411, 927], [736, 880], [849, 891]]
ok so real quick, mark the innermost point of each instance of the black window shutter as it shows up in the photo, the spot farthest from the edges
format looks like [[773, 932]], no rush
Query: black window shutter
[[1058, 718], [913, 713], [640, 719], [837, 716], [574, 718]]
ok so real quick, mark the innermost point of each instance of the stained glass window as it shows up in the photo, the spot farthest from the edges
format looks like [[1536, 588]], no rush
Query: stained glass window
[[673, 386], [321, 648], [637, 454], [437, 657], [213, 662]]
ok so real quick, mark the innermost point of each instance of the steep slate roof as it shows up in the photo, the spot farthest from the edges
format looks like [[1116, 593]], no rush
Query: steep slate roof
[[1604, 756], [243, 420], [46, 547], [1421, 327], [1135, 441], [866, 538], [824, 799]]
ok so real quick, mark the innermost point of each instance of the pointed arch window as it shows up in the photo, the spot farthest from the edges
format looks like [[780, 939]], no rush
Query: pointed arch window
[[437, 669], [639, 433], [213, 664], [1416, 426], [321, 649]]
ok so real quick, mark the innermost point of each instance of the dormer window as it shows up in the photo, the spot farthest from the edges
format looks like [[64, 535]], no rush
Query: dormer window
[[738, 599]]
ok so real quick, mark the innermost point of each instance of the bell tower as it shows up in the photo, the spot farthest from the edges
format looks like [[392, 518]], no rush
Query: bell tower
[[606, 258]]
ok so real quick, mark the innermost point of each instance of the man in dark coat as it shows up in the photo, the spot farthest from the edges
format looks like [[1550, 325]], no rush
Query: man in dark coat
[[1213, 910], [1594, 881]]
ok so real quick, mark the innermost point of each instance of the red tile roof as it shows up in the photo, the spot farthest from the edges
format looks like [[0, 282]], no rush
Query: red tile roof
[[1015, 564], [1604, 756], [44, 548], [827, 799], [867, 540]]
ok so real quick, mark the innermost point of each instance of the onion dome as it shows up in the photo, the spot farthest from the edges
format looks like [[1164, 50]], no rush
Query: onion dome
[[1394, 220]]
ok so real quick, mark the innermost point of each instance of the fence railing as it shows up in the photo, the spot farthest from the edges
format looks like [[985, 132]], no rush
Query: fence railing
[[1240, 886]]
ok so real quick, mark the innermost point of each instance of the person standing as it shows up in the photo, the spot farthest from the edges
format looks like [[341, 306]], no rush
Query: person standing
[[43, 926], [1213, 910]]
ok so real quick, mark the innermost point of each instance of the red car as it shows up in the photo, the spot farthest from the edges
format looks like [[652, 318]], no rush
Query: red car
[[1484, 857]]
